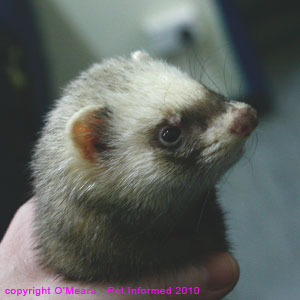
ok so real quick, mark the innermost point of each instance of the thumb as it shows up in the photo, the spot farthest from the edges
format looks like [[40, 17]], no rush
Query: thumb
[[219, 275]]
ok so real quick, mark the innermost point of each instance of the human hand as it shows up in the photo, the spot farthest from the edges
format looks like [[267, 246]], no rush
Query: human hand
[[19, 269]]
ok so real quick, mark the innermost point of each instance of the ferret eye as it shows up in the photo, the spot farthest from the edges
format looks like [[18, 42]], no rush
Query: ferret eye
[[169, 136]]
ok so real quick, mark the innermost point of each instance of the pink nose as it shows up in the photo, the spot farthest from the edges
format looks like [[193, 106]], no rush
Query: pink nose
[[245, 122]]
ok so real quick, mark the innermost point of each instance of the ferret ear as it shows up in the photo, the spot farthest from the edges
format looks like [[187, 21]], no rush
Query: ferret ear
[[87, 131], [140, 55]]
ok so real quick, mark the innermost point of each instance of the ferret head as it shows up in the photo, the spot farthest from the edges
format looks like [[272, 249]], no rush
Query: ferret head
[[143, 132]]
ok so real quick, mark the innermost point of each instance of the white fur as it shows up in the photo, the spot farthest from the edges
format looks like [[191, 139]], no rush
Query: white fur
[[140, 55]]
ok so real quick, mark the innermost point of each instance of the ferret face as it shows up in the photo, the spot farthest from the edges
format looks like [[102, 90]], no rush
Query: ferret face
[[147, 133]]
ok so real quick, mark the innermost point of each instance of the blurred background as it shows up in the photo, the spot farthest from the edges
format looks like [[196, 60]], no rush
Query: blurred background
[[246, 50]]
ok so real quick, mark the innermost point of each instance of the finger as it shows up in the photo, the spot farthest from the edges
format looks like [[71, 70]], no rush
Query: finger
[[16, 248], [214, 279], [222, 274]]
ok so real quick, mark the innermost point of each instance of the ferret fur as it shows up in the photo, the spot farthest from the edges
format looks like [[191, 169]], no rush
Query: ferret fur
[[113, 204]]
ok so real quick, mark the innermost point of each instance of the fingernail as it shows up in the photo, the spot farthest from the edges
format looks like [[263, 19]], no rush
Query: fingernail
[[222, 272]]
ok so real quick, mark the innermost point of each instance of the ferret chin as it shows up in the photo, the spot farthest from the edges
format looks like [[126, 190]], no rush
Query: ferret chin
[[125, 169]]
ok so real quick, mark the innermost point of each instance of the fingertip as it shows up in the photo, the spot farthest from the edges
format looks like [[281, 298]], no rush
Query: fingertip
[[222, 274], [223, 271]]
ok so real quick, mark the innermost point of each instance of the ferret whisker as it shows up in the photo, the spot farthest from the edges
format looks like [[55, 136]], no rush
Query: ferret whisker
[[203, 208], [194, 65], [190, 68], [205, 201], [205, 72], [251, 149], [224, 78]]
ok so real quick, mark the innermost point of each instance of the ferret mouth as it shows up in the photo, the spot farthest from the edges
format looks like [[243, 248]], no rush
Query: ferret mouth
[[244, 122]]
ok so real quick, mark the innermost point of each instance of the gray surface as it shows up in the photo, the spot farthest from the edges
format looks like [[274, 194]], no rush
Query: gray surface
[[262, 198]]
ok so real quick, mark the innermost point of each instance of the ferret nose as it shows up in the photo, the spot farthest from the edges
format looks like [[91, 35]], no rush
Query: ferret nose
[[244, 122]]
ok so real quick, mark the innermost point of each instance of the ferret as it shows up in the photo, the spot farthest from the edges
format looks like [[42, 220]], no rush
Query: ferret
[[124, 172]]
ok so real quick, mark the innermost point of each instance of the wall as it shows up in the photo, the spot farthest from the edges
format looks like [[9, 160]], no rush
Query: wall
[[75, 34]]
